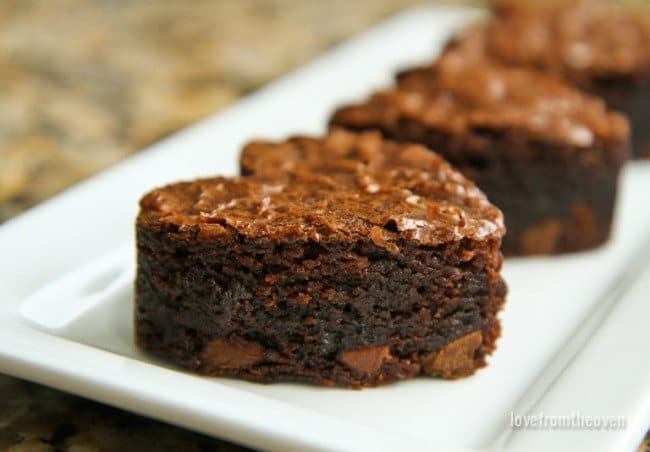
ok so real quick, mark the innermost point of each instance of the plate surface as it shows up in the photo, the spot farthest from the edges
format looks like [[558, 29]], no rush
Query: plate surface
[[575, 328]]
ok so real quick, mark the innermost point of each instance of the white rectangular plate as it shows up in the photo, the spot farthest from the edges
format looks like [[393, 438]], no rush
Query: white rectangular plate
[[575, 328]]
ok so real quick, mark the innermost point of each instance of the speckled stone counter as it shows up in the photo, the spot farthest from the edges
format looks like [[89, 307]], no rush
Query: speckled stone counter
[[83, 84]]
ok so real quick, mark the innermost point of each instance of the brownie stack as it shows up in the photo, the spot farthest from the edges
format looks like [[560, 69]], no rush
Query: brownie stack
[[364, 256]]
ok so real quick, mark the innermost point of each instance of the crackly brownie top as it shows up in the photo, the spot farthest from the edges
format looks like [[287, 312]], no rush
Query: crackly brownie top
[[339, 152], [464, 92], [582, 39], [424, 199]]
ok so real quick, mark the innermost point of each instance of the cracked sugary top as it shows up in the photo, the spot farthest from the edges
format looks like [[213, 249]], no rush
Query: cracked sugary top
[[345, 185], [584, 40], [464, 91]]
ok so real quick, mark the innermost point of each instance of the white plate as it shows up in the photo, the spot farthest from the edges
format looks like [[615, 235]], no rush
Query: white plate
[[575, 328]]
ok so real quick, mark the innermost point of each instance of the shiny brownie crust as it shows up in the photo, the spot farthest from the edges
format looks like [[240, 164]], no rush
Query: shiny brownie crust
[[601, 47], [357, 276]]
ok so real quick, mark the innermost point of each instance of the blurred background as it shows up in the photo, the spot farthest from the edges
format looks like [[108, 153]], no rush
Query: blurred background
[[85, 83]]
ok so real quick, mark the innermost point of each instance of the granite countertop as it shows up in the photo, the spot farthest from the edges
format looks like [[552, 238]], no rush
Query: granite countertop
[[83, 84]]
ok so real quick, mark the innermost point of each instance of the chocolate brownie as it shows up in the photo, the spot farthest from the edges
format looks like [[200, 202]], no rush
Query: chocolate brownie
[[545, 153], [601, 47], [349, 273]]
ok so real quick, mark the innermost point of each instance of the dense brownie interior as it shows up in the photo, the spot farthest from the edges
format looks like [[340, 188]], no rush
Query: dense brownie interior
[[631, 97], [298, 308]]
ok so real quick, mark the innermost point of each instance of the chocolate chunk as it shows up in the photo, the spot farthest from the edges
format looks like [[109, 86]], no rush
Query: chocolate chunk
[[456, 359], [366, 360], [234, 353]]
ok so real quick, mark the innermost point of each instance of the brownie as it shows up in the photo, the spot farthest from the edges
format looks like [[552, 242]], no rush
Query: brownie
[[601, 47], [350, 272], [547, 154]]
